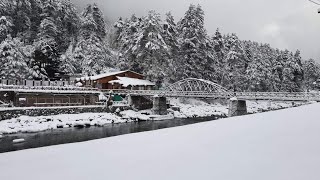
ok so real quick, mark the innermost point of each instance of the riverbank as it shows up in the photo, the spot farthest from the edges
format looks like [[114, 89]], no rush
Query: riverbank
[[200, 108], [76, 134], [182, 108], [275, 145]]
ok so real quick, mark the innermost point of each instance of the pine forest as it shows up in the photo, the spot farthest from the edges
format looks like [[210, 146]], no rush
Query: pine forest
[[44, 39]]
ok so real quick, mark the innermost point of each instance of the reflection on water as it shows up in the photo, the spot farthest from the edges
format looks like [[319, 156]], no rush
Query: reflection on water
[[71, 135]]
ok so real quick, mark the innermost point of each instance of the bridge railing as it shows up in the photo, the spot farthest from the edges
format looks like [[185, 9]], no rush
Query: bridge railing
[[279, 95], [168, 93], [299, 96]]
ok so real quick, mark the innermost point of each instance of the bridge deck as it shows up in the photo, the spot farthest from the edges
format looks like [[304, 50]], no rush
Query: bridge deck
[[280, 96]]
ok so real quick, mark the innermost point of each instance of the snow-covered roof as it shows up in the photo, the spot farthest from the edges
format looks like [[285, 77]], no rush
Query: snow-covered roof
[[99, 76], [125, 82]]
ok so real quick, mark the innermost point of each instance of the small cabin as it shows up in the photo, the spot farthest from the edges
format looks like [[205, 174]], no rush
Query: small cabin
[[117, 80]]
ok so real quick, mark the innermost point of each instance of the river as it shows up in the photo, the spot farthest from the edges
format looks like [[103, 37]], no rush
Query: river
[[72, 135]]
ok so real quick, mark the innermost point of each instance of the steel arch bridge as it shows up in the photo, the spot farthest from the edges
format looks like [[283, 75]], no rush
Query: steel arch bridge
[[199, 88], [191, 87], [196, 85]]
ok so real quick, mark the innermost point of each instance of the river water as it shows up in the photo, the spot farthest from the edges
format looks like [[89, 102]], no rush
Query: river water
[[72, 135]]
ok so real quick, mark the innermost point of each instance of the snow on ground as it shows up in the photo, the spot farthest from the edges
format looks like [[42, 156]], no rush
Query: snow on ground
[[198, 108], [26, 124], [277, 145], [188, 108], [130, 114], [52, 107], [260, 106], [145, 115]]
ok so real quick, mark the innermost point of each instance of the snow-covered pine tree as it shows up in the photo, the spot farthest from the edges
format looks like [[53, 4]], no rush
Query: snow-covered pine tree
[[219, 50], [236, 64], [14, 58], [68, 66], [298, 71], [21, 11], [278, 66], [118, 34], [311, 73], [99, 19], [288, 84], [5, 27], [253, 73], [192, 41], [127, 40], [170, 36], [46, 55], [91, 52], [212, 70], [68, 22], [5, 7], [272, 81], [150, 50], [259, 71]]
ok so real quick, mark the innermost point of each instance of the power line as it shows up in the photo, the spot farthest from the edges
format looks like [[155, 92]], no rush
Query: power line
[[315, 2]]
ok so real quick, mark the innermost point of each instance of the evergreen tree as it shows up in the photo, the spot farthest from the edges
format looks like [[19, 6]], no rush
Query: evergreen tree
[[98, 18], [91, 52], [260, 63], [119, 33], [127, 40], [5, 28], [52, 38], [68, 66], [192, 41], [170, 36], [68, 22], [46, 55], [298, 71], [236, 64], [312, 73], [219, 50], [288, 84], [13, 58], [150, 49]]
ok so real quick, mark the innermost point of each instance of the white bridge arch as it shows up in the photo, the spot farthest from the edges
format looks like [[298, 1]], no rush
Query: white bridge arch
[[196, 85]]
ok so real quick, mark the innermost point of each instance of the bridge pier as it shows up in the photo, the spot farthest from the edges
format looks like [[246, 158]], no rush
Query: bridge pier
[[237, 107], [159, 105], [140, 102]]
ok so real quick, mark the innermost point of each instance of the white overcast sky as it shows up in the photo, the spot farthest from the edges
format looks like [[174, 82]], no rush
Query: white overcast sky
[[285, 24]]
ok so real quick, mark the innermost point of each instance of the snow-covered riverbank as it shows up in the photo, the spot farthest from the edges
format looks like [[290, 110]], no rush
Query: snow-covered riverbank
[[198, 108], [188, 108], [27, 124], [275, 145]]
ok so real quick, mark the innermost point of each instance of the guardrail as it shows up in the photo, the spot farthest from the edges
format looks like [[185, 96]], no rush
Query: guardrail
[[300, 96], [286, 96], [167, 93], [46, 88], [35, 82]]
